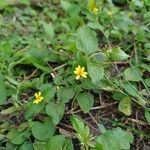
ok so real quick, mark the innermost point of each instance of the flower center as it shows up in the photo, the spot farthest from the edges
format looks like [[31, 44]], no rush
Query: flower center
[[38, 98], [80, 72]]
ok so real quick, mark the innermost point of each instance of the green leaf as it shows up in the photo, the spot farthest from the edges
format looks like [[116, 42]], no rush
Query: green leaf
[[43, 131], [3, 96], [96, 72], [130, 88], [65, 5], [79, 126], [123, 137], [37, 55], [125, 106], [117, 54], [33, 109], [108, 142], [37, 63], [118, 96], [48, 92], [116, 34], [83, 131], [49, 30], [85, 101], [40, 146], [17, 137], [147, 116], [26, 146], [145, 66], [2, 137], [56, 111], [115, 139], [10, 146], [86, 40], [59, 142], [65, 94], [9, 110], [132, 74], [70, 8], [147, 81]]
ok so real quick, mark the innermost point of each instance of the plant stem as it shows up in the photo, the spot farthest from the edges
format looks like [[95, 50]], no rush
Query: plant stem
[[86, 147]]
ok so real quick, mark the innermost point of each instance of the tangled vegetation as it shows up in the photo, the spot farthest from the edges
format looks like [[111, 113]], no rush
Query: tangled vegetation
[[74, 74]]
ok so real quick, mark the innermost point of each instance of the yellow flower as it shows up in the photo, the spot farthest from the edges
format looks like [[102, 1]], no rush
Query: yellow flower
[[95, 10], [110, 13], [38, 98], [80, 72]]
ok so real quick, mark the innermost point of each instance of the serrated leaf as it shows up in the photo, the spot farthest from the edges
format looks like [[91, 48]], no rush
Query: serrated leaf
[[85, 101], [65, 94], [81, 129], [115, 139], [96, 72], [125, 106], [108, 142], [123, 137], [43, 131], [86, 40], [59, 142], [56, 111]]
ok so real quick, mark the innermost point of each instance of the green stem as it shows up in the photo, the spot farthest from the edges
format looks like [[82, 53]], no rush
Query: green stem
[[86, 147]]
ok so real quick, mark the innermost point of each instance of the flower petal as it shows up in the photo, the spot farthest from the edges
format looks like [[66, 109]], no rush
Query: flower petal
[[76, 72], [36, 95], [39, 94], [83, 69], [77, 77], [79, 67]]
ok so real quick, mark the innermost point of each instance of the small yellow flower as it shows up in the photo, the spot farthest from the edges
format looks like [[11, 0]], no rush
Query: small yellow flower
[[38, 98], [110, 13], [80, 72], [95, 11]]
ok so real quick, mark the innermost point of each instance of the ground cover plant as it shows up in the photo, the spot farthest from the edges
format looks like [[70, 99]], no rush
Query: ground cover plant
[[74, 75]]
